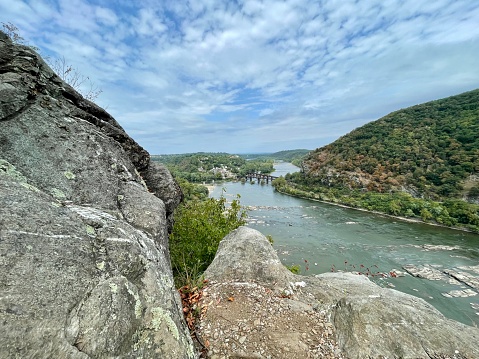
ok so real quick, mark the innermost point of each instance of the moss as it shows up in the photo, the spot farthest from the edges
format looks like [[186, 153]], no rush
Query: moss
[[141, 339], [30, 187], [11, 171]]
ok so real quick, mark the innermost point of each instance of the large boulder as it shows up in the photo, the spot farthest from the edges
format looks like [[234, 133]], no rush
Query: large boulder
[[84, 267], [376, 322], [246, 255], [368, 321]]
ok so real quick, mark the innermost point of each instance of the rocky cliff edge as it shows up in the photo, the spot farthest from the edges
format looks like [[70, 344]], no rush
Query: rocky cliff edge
[[84, 219], [256, 308]]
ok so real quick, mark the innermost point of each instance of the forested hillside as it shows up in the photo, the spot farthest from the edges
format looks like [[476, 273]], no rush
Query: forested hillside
[[431, 150], [422, 162], [294, 156], [202, 166]]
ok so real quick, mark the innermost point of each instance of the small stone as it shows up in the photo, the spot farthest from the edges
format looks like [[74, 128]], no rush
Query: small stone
[[242, 339]]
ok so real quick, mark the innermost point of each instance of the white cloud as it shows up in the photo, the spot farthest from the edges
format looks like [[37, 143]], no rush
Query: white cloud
[[277, 73]]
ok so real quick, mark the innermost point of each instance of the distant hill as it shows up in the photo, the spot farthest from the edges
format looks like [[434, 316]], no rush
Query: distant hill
[[421, 162], [429, 150], [287, 155]]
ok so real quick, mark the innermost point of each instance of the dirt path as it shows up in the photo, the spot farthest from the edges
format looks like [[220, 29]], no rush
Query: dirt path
[[246, 320]]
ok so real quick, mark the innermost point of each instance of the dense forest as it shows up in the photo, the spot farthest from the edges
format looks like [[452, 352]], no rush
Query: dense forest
[[427, 153], [430, 149]]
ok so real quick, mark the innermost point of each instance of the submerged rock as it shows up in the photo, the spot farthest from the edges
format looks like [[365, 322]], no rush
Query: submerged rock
[[464, 277], [460, 293], [83, 243]]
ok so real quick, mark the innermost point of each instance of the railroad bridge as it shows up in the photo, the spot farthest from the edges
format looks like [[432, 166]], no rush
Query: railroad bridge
[[260, 176]]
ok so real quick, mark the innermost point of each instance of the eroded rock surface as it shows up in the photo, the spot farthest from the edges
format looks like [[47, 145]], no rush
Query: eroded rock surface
[[83, 240], [356, 318]]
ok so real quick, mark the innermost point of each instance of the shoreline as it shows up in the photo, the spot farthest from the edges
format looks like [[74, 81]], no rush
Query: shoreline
[[211, 188], [404, 219]]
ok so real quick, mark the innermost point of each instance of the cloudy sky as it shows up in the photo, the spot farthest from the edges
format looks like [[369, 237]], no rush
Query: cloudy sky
[[246, 76]]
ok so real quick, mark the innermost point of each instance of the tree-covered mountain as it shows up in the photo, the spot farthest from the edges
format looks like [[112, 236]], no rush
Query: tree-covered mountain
[[422, 161], [430, 150]]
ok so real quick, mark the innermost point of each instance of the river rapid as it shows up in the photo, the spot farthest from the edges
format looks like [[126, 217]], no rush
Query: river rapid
[[322, 237]]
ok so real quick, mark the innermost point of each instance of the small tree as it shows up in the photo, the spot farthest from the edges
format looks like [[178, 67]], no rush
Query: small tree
[[74, 78], [474, 191], [13, 33]]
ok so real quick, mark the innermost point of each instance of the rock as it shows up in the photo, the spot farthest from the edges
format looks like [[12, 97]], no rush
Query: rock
[[425, 272], [464, 277], [161, 183], [394, 324], [460, 293], [246, 255], [83, 243], [368, 321], [433, 247]]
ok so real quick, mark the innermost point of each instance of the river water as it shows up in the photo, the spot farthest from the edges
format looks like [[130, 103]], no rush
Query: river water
[[322, 237]]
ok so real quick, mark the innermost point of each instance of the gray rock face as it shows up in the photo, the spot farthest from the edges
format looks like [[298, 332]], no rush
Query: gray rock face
[[84, 270], [161, 184], [377, 322], [369, 321], [246, 255]]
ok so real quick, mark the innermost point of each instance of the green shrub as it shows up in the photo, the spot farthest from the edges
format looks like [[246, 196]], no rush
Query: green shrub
[[199, 227], [294, 268]]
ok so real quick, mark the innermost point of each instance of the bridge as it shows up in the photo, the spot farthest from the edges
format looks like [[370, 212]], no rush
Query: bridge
[[260, 176]]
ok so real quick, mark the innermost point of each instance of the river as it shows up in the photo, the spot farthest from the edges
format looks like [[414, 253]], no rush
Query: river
[[322, 237]]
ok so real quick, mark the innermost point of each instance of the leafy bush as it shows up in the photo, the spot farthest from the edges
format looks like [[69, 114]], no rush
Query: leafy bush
[[294, 268], [199, 227]]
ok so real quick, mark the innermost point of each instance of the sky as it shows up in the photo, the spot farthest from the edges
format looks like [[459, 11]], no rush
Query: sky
[[249, 76]]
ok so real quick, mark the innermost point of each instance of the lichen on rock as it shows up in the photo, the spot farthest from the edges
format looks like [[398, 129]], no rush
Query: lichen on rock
[[83, 239]]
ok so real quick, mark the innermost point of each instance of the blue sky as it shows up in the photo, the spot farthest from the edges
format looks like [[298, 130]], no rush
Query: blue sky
[[256, 76]]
